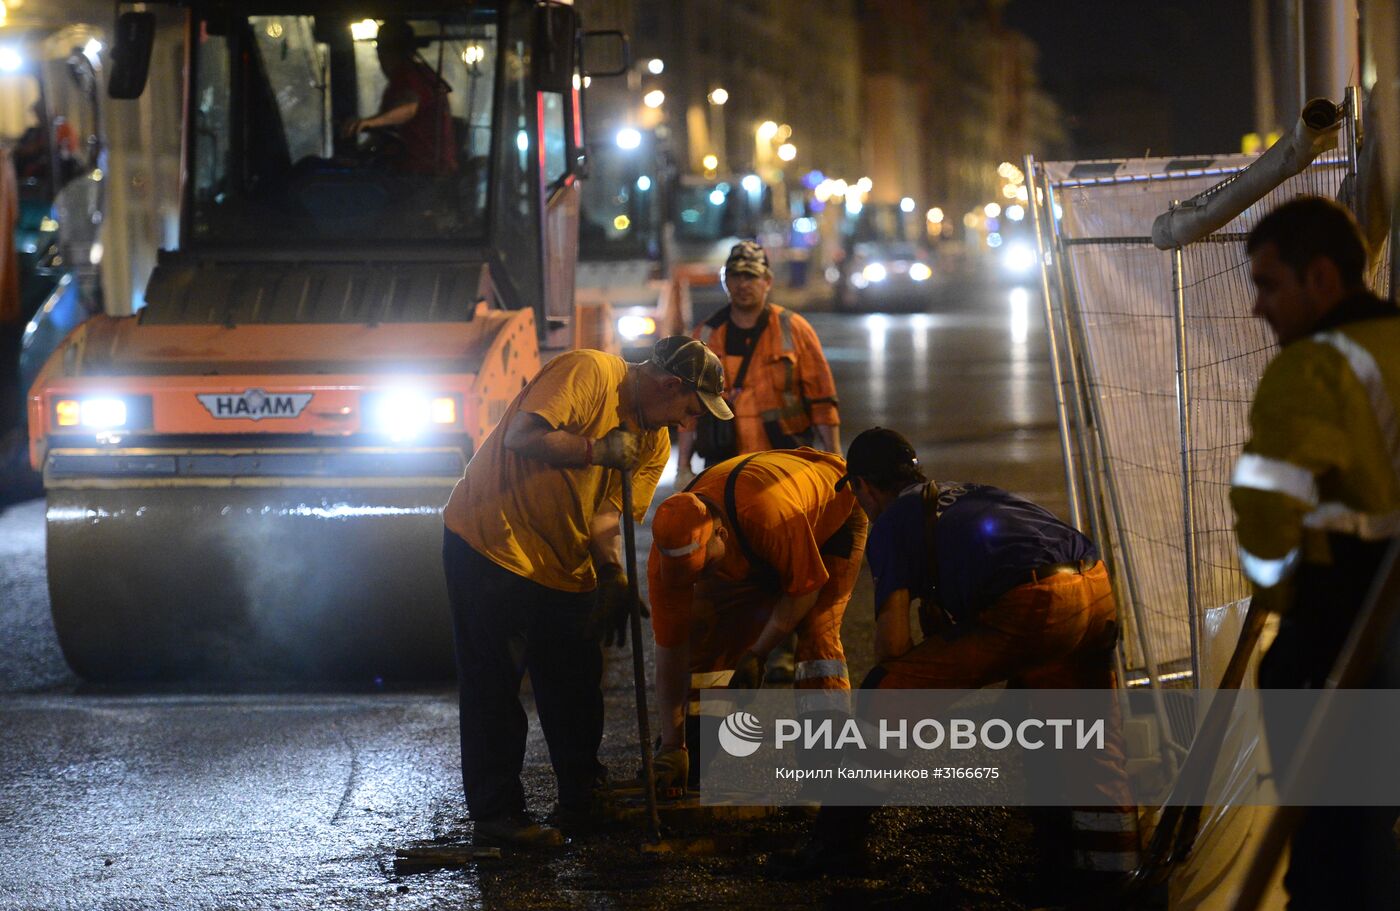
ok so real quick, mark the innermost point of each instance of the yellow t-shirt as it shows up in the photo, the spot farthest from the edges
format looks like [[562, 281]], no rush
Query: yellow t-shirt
[[532, 518]]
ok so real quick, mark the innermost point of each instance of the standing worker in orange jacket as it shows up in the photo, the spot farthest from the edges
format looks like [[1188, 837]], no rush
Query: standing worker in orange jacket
[[784, 397], [758, 547]]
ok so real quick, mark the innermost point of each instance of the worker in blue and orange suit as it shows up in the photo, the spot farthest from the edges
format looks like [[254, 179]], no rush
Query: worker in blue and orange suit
[[758, 547], [1006, 592]]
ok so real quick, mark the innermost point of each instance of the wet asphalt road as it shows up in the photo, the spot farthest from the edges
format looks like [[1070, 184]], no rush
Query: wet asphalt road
[[167, 799]]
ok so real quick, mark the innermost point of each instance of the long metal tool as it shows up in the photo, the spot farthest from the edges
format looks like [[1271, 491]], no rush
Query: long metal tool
[[1370, 635], [639, 681]]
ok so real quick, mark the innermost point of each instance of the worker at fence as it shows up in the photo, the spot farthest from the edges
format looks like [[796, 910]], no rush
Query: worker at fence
[[781, 388], [1005, 592], [414, 103], [535, 575], [758, 547], [1316, 493]]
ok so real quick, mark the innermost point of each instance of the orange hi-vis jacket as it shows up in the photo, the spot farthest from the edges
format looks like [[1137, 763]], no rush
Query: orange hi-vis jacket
[[788, 381], [810, 535]]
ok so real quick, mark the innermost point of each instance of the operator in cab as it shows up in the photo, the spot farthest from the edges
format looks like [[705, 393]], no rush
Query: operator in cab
[[414, 103]]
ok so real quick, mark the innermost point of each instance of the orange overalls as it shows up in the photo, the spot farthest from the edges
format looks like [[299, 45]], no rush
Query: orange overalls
[[811, 538]]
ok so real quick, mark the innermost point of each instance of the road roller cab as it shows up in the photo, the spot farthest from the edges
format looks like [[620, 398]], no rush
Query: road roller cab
[[244, 478]]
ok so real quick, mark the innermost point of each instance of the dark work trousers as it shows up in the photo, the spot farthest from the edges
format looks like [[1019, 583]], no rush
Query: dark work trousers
[[504, 625], [1340, 857]]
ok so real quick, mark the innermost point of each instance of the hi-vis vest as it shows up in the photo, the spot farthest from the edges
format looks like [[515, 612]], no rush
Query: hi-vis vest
[[1324, 452]]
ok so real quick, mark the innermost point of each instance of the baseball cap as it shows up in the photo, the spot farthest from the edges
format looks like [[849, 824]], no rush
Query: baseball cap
[[877, 454], [749, 257], [693, 361], [396, 33], [681, 529]]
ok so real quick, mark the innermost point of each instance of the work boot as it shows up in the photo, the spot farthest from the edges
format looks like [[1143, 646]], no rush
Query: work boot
[[515, 830], [577, 820]]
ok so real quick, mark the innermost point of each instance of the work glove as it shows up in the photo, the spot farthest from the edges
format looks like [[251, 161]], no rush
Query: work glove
[[672, 771], [684, 476], [612, 614], [620, 449], [748, 673]]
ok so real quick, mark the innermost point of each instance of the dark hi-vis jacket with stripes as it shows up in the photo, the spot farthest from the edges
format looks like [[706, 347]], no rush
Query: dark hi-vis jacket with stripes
[[1324, 451]]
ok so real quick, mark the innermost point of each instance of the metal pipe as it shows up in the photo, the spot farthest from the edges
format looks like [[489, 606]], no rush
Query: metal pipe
[[1265, 110], [1183, 407], [1315, 132], [1061, 410]]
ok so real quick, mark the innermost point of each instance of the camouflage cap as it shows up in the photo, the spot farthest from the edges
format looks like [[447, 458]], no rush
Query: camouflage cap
[[748, 257], [693, 361]]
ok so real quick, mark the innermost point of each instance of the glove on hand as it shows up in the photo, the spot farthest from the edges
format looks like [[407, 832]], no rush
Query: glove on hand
[[672, 769], [620, 449], [613, 613], [748, 673]]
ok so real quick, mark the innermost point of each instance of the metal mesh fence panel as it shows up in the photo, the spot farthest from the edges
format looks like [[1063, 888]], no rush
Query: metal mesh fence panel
[[1121, 306]]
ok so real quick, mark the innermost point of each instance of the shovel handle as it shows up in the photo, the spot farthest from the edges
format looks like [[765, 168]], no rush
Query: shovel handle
[[639, 683]]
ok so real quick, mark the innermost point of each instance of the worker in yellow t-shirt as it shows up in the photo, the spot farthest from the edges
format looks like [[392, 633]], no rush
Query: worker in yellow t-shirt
[[532, 552]]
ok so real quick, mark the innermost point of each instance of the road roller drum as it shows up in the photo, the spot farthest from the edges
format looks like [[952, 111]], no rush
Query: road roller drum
[[241, 583]]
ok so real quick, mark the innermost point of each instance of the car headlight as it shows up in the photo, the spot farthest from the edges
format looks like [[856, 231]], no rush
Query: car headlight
[[403, 414], [635, 327], [1019, 258], [102, 412], [874, 272], [920, 272]]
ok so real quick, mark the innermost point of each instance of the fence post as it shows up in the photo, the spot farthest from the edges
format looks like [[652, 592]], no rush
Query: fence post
[[1061, 408], [1188, 513]]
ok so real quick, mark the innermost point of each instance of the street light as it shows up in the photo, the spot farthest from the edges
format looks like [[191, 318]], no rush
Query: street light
[[654, 99], [656, 66], [710, 161], [718, 96], [935, 216], [787, 151], [906, 204], [628, 138], [752, 184], [766, 131]]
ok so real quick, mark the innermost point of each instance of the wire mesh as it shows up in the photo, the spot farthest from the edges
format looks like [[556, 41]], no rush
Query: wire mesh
[[1120, 303]]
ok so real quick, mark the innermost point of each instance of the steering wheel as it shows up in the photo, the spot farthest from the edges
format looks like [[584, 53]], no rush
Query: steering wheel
[[378, 146]]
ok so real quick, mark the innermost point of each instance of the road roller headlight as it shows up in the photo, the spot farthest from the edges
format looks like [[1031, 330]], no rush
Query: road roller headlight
[[105, 412], [634, 327], [404, 414]]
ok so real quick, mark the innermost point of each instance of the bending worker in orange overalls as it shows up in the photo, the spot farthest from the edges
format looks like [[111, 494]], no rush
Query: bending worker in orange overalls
[[756, 548]]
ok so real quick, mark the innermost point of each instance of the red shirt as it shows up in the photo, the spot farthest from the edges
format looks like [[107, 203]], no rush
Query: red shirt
[[429, 144]]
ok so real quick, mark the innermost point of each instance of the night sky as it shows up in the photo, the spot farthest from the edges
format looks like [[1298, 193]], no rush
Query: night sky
[[1135, 75]]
